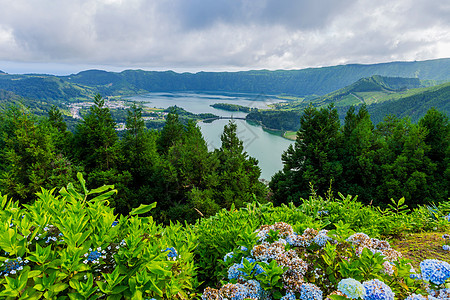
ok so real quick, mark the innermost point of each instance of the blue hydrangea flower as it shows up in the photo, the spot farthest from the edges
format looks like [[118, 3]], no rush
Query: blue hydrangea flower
[[446, 247], [351, 288], [172, 253], [228, 256], [291, 239], [253, 289], [309, 291], [94, 256], [232, 292], [249, 259], [377, 290], [321, 239], [115, 223], [443, 294], [447, 217], [234, 272], [434, 270], [51, 238], [243, 248], [240, 293], [12, 266], [288, 296]]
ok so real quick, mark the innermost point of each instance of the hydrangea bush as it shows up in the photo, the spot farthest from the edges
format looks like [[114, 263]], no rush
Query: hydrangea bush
[[230, 229], [319, 264], [73, 246]]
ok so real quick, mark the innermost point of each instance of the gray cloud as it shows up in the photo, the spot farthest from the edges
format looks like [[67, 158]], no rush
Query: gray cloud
[[290, 13], [222, 34]]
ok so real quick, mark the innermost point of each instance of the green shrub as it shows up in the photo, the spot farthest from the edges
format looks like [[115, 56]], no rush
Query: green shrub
[[73, 246]]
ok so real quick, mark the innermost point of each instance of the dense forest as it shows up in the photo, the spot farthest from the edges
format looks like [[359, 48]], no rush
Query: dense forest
[[392, 160], [174, 168]]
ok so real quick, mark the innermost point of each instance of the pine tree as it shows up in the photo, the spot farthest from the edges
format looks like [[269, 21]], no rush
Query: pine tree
[[238, 174], [313, 159], [96, 139], [171, 133], [29, 157], [356, 155]]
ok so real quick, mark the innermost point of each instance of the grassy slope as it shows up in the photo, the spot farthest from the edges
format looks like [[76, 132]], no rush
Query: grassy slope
[[420, 246]]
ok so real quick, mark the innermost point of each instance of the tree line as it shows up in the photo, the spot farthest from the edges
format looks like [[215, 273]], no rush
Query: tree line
[[392, 160], [172, 166]]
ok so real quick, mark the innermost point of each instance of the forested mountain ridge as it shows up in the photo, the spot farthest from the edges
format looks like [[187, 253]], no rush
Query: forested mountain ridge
[[38, 107], [369, 90], [402, 97], [414, 106], [44, 87], [302, 82], [311, 81]]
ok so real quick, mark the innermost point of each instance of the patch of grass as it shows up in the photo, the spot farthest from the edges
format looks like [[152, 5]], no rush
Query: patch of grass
[[290, 135], [420, 246]]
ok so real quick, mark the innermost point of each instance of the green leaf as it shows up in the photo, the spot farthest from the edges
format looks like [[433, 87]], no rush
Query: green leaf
[[59, 287], [76, 296], [83, 182], [157, 269], [101, 189], [137, 295], [104, 196], [119, 289], [34, 273], [155, 288], [142, 209], [39, 287]]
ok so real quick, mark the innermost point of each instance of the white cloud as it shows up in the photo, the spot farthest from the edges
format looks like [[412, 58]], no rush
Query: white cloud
[[222, 34]]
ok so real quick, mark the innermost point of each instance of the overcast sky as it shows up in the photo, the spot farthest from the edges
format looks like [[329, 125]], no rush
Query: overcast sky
[[67, 36]]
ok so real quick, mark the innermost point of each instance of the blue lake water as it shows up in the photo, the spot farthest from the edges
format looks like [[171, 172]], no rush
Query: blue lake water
[[264, 146]]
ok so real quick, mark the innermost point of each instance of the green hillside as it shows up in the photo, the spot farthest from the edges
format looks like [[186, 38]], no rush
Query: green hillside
[[370, 90], [415, 105], [303, 82], [403, 97], [38, 107], [44, 87]]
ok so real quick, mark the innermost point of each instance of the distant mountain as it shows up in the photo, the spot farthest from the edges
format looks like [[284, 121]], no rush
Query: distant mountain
[[44, 87], [318, 81], [415, 105], [402, 97], [8, 98], [369, 90], [312, 81]]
